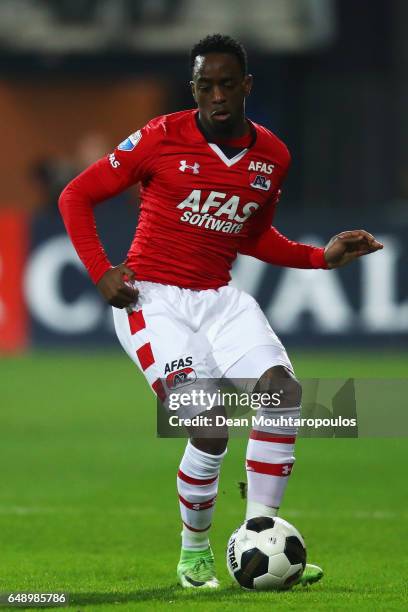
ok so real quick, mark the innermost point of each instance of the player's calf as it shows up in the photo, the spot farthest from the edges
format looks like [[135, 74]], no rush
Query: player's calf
[[197, 482], [270, 452]]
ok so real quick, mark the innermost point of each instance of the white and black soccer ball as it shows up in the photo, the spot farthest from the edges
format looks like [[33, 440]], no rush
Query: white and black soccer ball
[[265, 554]]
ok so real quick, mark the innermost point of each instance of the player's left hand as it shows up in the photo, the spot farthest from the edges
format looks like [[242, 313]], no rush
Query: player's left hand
[[114, 287], [347, 246]]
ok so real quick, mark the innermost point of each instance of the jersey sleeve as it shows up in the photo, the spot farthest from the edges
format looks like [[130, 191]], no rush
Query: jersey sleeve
[[264, 242], [273, 247], [132, 161]]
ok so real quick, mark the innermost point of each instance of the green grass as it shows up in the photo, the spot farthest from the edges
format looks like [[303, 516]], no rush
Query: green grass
[[88, 502]]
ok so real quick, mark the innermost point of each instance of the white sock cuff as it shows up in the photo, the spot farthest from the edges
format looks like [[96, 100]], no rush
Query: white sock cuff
[[270, 452], [194, 541], [199, 462], [255, 509], [278, 421]]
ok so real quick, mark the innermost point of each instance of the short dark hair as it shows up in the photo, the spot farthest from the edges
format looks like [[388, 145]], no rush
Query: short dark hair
[[220, 43]]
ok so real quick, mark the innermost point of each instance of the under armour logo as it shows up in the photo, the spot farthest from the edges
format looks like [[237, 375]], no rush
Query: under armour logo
[[286, 469], [184, 166]]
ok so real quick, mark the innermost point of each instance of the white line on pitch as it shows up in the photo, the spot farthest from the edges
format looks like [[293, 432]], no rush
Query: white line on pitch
[[133, 510]]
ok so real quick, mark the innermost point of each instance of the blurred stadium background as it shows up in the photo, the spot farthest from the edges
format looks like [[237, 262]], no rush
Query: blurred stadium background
[[330, 79], [76, 77]]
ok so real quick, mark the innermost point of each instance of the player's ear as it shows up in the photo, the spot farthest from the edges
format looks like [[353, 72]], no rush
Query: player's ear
[[193, 90], [248, 82]]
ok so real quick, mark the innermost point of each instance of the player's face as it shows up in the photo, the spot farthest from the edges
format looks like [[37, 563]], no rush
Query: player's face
[[220, 89]]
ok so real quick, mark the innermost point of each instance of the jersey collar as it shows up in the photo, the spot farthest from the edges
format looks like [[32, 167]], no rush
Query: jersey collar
[[231, 143]]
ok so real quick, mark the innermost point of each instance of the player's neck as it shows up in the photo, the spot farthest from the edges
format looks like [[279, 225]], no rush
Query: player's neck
[[237, 131]]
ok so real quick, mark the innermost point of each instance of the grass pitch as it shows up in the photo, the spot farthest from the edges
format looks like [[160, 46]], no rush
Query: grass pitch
[[88, 502]]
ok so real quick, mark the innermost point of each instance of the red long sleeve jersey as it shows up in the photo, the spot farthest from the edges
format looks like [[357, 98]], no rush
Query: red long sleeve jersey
[[198, 209]]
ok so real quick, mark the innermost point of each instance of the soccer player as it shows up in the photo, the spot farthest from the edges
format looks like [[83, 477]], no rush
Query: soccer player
[[211, 180]]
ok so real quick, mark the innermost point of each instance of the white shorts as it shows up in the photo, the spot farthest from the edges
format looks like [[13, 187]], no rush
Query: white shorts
[[176, 336]]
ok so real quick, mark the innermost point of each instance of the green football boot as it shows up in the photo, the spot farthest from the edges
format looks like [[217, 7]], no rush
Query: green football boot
[[196, 569], [311, 574]]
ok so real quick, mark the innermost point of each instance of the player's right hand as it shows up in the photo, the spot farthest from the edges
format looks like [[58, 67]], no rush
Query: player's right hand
[[114, 289]]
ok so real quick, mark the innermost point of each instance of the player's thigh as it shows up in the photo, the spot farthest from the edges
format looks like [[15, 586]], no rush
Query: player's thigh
[[258, 364], [157, 336], [245, 339]]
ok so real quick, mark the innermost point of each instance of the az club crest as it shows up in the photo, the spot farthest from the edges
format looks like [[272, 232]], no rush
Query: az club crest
[[186, 376], [259, 181]]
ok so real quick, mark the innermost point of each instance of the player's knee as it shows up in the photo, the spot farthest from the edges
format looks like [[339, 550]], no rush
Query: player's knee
[[280, 382], [211, 435], [212, 446]]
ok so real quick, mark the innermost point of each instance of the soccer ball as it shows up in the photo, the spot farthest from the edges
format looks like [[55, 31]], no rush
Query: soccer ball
[[266, 553]]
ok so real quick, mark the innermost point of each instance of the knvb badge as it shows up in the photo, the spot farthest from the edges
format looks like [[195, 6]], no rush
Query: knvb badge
[[130, 142]]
